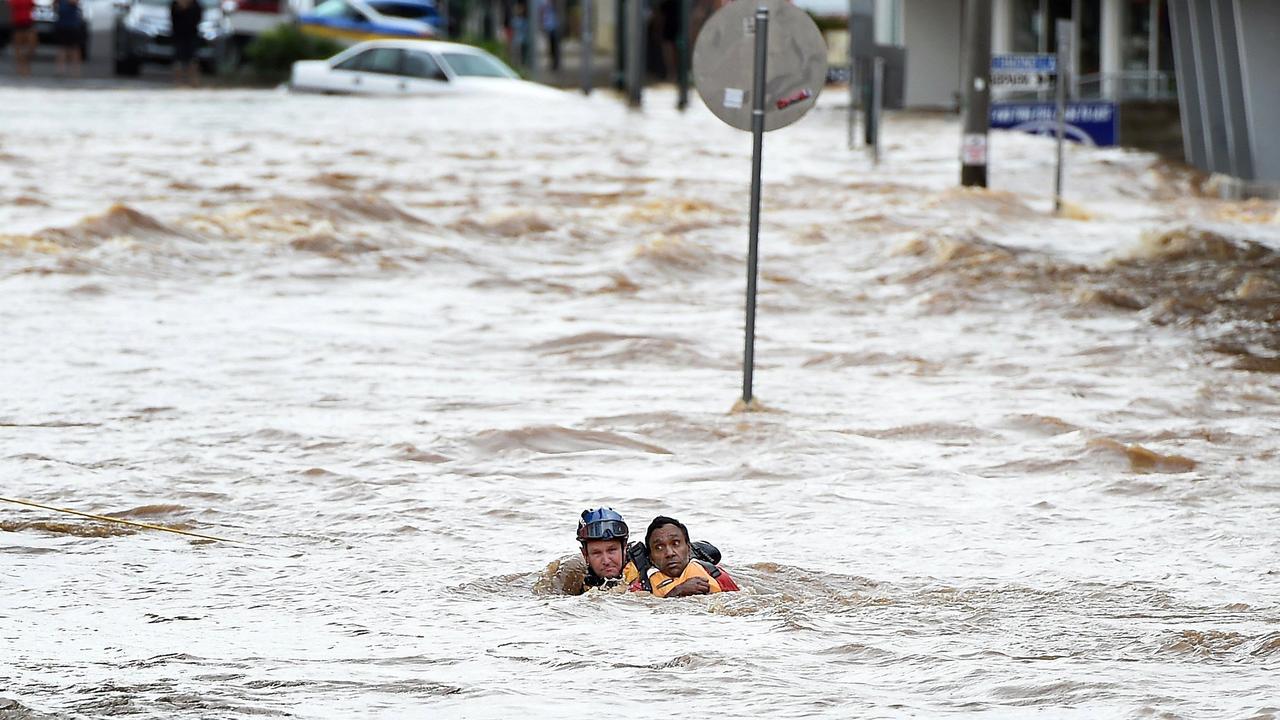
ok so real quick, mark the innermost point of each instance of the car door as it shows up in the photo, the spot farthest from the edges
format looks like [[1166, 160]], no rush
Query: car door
[[372, 72], [422, 75]]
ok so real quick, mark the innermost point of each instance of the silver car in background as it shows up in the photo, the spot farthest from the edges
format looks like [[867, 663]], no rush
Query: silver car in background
[[144, 34]]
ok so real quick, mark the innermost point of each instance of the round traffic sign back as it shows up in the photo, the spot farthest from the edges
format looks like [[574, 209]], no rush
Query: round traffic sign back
[[725, 53]]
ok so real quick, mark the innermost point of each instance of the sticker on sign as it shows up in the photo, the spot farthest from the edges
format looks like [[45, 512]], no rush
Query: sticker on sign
[[973, 149]]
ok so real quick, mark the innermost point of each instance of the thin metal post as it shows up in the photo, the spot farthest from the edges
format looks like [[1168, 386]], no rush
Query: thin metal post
[[1042, 32], [682, 52], [853, 84], [1153, 49], [1077, 14], [877, 104], [1064, 30], [759, 71], [977, 93], [869, 128], [1042, 38], [635, 52], [620, 45], [588, 44]]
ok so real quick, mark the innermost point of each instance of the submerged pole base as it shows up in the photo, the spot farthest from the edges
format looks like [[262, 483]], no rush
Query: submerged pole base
[[753, 406], [973, 175]]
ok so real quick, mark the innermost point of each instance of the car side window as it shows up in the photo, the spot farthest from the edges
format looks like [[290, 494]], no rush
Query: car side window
[[382, 60], [355, 62], [413, 11], [422, 65]]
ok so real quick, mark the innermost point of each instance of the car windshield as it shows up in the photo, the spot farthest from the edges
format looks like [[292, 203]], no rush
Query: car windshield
[[336, 9], [477, 65], [415, 11]]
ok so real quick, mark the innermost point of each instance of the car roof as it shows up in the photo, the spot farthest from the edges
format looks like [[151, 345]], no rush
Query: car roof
[[433, 45]]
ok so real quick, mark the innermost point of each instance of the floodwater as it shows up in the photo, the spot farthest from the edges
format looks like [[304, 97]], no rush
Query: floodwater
[[1012, 465]]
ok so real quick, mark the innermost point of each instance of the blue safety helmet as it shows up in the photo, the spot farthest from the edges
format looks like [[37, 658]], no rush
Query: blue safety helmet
[[602, 524]]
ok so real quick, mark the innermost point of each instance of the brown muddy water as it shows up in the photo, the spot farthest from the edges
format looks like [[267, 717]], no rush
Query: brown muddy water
[[1014, 465]]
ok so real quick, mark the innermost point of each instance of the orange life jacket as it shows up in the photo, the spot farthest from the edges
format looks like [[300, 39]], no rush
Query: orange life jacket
[[660, 583]]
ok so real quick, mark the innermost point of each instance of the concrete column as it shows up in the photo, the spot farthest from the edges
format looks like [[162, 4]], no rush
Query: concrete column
[[1258, 26], [1239, 161], [1189, 96], [1204, 42], [885, 20], [605, 15], [1002, 27], [932, 37], [1112, 45]]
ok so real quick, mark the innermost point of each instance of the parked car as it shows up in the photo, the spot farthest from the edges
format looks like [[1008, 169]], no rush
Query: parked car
[[352, 21], [45, 15], [250, 18], [144, 34], [413, 67]]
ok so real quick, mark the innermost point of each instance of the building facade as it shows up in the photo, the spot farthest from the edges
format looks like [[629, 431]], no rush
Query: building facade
[[1122, 49]]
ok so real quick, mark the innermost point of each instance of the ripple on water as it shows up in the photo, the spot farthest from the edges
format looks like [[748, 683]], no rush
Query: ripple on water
[[554, 439]]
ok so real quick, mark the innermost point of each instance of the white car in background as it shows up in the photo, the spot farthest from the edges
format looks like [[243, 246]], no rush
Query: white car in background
[[413, 67]]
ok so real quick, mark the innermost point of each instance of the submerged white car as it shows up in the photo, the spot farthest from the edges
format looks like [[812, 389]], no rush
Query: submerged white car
[[412, 67]]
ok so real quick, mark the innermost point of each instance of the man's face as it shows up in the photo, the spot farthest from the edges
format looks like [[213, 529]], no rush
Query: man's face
[[668, 550], [604, 557]]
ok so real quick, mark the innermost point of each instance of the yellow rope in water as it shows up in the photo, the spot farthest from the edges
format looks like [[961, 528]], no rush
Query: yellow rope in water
[[104, 518]]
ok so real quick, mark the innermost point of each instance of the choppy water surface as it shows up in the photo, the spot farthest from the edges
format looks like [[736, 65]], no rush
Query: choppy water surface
[[1014, 465]]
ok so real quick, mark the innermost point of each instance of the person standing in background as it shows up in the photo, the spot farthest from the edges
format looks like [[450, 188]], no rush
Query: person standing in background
[[24, 35], [70, 32], [185, 16], [550, 20], [519, 33]]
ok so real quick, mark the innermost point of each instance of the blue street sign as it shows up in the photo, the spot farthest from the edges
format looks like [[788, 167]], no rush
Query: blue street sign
[[1024, 63], [1091, 122]]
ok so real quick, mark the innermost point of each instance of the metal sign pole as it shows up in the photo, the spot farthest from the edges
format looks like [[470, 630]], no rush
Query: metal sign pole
[[740, 84], [1064, 50], [977, 93], [588, 45], [877, 104], [757, 151], [682, 46], [619, 77], [853, 85], [635, 52]]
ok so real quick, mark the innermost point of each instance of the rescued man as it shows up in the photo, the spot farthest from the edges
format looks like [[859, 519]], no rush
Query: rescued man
[[670, 568], [609, 560]]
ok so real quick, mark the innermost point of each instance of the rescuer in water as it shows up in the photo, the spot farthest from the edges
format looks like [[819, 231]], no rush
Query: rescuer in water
[[602, 535], [602, 538], [677, 570]]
